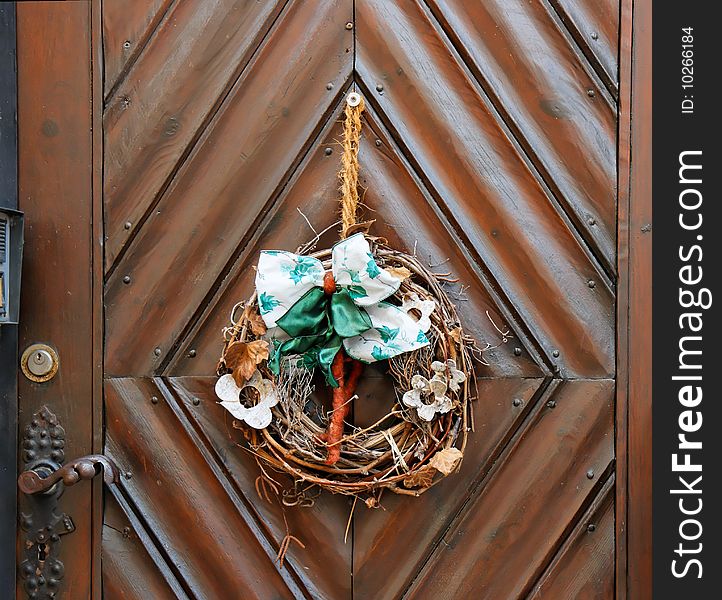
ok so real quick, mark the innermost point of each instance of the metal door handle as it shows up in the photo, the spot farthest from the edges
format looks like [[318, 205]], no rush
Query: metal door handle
[[43, 479]]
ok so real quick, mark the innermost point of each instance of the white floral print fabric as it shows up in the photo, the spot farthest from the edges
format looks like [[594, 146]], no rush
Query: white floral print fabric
[[282, 278]]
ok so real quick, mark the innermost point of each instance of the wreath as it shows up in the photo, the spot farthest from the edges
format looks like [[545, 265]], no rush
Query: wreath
[[331, 312]]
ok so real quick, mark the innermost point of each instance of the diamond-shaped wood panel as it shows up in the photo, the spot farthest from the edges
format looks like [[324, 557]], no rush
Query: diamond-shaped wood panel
[[489, 149]]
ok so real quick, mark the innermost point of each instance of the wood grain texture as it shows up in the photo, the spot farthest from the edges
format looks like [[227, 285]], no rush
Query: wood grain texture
[[127, 27], [485, 154], [584, 569], [225, 185], [163, 103], [639, 450], [511, 529], [486, 186], [199, 521], [555, 108], [129, 572], [55, 184], [403, 214], [324, 565], [392, 543], [585, 18]]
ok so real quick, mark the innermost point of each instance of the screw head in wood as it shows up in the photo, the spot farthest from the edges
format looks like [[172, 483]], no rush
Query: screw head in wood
[[328, 151], [156, 351], [379, 87], [349, 25], [552, 404], [516, 402], [591, 283], [517, 351], [591, 527], [192, 353], [590, 474], [329, 86], [154, 400], [555, 353], [128, 225], [595, 35], [591, 93], [126, 279], [196, 401]]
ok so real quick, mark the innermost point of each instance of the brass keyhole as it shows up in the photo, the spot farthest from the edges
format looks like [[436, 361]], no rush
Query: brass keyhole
[[39, 363]]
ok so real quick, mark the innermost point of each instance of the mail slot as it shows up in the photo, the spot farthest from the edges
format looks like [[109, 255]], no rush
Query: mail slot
[[11, 257]]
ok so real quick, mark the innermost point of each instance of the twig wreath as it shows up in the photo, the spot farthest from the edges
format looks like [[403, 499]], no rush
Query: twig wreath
[[334, 311]]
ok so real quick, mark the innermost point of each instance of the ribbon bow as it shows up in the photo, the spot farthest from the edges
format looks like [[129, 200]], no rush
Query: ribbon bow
[[303, 319]]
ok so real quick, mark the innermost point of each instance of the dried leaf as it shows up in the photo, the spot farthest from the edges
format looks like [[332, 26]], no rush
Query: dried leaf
[[421, 478], [399, 272], [365, 226], [255, 321], [242, 358], [455, 334], [371, 502], [445, 461]]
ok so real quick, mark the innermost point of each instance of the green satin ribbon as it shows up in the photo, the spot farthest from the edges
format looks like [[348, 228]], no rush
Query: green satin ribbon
[[317, 324]]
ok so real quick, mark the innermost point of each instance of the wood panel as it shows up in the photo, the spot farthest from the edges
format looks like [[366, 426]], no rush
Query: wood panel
[[324, 565], [127, 27], [200, 523], [411, 528], [553, 104], [488, 189], [595, 24], [239, 163], [55, 184], [584, 569], [129, 572], [489, 150], [638, 352], [511, 529], [194, 57]]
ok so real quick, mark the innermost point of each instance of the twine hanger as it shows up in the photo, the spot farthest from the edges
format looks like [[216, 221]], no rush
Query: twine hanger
[[348, 175]]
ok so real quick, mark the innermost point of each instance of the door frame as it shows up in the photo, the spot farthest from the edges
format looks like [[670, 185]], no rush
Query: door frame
[[634, 369]]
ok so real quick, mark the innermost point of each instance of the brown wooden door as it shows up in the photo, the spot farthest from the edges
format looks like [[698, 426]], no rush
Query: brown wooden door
[[489, 146]]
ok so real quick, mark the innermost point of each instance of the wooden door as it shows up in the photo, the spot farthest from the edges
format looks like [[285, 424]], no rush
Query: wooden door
[[490, 146]]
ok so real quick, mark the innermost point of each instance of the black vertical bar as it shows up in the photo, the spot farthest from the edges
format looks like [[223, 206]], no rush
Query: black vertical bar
[[8, 332], [687, 412]]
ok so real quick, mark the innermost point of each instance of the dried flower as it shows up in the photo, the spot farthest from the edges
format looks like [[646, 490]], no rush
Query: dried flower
[[428, 397], [258, 416], [449, 373], [425, 307]]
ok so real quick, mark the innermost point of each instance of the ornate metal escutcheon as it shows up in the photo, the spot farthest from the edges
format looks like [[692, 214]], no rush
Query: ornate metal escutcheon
[[44, 480]]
